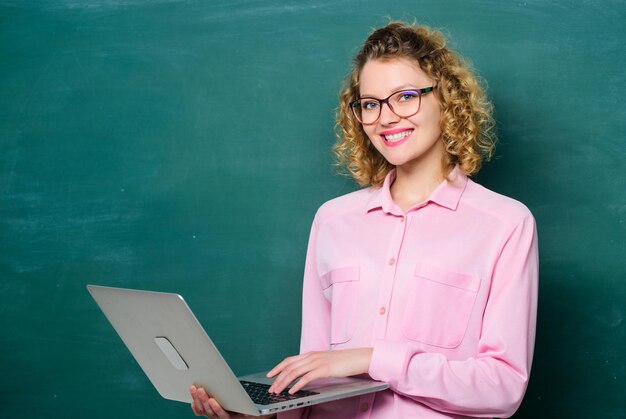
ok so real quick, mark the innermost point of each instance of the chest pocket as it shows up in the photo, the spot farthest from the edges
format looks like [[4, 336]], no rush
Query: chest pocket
[[341, 287], [439, 306]]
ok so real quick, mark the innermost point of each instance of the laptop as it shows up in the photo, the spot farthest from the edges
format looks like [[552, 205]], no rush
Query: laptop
[[175, 352]]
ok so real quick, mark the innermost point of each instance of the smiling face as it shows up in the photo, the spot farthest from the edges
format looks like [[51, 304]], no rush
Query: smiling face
[[403, 142]]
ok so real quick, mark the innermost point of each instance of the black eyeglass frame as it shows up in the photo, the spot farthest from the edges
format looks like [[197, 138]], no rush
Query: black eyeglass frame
[[420, 92]]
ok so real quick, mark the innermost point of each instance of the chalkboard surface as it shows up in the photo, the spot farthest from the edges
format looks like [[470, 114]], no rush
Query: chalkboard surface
[[183, 146]]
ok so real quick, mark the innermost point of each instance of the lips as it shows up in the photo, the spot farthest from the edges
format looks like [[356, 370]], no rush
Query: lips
[[395, 137]]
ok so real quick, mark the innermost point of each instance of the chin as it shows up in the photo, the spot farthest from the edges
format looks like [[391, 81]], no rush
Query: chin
[[397, 160]]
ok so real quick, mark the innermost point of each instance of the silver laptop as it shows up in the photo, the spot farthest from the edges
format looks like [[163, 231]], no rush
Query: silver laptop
[[175, 352]]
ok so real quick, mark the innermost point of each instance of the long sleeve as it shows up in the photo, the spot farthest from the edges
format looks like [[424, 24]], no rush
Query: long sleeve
[[315, 313], [493, 382], [315, 307]]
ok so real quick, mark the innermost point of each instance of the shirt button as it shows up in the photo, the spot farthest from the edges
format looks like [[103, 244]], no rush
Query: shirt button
[[382, 311], [392, 261], [402, 219], [364, 407]]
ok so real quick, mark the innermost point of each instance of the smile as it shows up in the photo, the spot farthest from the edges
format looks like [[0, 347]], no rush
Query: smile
[[396, 138]]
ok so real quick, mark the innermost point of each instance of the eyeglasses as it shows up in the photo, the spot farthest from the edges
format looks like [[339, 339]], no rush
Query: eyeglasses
[[404, 103]]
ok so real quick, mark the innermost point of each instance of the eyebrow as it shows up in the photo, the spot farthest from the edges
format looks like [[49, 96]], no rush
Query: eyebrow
[[407, 86]]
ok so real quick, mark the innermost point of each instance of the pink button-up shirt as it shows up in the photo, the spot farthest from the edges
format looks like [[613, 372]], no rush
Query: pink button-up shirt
[[445, 293]]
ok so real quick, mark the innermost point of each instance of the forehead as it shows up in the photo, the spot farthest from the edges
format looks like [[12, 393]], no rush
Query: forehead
[[380, 78]]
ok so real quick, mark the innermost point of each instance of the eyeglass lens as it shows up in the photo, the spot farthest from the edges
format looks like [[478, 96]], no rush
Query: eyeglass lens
[[405, 103]]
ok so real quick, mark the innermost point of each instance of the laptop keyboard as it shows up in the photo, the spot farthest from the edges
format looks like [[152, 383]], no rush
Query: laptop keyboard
[[259, 394]]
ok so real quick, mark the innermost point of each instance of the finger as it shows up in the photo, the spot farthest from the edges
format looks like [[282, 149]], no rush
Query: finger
[[280, 371], [292, 373], [283, 364], [306, 379], [193, 391], [283, 380], [196, 406], [204, 399], [217, 408]]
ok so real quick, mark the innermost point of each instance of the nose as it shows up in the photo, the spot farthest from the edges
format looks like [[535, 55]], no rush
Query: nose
[[387, 116]]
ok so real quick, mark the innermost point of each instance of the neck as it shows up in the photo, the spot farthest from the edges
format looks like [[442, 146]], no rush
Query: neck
[[415, 183]]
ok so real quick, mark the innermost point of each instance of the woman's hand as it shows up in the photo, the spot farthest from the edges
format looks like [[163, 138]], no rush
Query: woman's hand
[[313, 365], [204, 405]]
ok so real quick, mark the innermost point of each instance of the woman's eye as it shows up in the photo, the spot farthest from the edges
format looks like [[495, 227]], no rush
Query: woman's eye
[[369, 105], [405, 96]]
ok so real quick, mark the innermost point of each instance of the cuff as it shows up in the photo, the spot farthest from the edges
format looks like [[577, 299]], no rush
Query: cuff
[[388, 359]]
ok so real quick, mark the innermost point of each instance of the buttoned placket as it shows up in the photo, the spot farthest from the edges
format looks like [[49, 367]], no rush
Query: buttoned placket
[[389, 274], [384, 297], [365, 406]]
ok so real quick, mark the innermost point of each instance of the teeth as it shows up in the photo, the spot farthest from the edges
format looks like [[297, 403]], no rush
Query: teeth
[[397, 137]]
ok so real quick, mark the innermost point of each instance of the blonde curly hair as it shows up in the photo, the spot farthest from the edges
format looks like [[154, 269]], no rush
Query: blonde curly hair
[[467, 125]]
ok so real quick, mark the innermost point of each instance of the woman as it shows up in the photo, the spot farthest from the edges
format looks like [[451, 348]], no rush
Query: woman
[[424, 279]]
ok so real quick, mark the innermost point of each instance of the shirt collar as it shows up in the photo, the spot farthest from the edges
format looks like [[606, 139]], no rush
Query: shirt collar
[[447, 194]]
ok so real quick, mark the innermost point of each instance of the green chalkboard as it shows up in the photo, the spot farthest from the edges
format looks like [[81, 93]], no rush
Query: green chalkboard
[[183, 146]]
